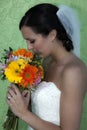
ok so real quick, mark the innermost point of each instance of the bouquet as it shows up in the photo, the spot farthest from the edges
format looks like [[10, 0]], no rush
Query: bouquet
[[23, 68]]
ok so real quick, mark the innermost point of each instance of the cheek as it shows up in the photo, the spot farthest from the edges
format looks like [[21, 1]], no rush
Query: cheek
[[43, 46], [39, 45], [44, 50]]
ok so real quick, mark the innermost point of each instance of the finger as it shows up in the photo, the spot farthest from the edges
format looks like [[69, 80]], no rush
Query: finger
[[15, 89], [8, 97], [11, 88], [10, 101], [11, 92], [25, 93]]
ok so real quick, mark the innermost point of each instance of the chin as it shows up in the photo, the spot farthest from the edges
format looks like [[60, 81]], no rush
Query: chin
[[41, 56]]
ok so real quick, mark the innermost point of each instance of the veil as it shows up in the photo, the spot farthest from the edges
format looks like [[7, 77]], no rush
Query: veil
[[69, 20]]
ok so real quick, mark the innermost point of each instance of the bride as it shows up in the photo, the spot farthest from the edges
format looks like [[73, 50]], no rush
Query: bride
[[57, 101]]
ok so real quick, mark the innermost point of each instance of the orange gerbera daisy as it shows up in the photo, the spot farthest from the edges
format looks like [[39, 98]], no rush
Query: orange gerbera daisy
[[24, 53], [29, 54], [19, 52], [28, 75]]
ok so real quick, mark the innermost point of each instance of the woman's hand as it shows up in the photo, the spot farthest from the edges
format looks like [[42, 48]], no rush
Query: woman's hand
[[17, 101]]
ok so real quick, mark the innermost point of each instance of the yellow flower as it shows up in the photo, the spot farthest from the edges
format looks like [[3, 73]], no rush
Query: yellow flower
[[22, 63], [14, 69]]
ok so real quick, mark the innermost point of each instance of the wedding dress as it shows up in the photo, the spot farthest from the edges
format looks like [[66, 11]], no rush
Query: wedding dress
[[45, 101]]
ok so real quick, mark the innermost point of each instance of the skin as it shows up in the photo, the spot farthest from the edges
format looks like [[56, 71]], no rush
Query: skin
[[69, 74]]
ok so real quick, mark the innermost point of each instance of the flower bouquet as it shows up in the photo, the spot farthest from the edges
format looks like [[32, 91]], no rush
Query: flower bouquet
[[23, 68]]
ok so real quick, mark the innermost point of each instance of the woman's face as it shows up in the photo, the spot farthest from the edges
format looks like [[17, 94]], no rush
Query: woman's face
[[37, 42]]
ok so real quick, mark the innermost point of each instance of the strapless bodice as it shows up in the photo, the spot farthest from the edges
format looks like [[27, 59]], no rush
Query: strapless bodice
[[45, 101]]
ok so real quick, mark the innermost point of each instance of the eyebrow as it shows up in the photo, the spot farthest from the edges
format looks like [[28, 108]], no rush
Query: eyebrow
[[28, 39]]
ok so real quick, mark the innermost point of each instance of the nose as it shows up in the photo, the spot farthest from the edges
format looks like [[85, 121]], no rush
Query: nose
[[29, 46]]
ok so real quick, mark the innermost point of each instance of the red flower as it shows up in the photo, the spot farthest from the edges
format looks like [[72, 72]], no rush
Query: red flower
[[28, 75]]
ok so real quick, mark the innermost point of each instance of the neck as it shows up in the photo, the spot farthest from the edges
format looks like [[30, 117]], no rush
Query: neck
[[60, 55]]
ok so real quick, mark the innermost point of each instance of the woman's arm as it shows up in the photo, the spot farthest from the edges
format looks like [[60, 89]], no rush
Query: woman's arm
[[73, 92], [37, 123]]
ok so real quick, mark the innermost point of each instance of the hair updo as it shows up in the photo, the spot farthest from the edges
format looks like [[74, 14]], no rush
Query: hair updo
[[42, 19]]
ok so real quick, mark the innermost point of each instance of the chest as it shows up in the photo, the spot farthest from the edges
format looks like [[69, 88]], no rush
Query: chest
[[54, 74]]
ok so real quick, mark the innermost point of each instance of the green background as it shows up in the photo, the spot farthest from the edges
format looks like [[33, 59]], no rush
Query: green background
[[11, 12]]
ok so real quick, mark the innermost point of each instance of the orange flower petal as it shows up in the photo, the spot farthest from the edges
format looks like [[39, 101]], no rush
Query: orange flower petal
[[28, 75]]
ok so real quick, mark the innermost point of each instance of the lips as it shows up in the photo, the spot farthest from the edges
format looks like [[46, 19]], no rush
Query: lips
[[37, 52]]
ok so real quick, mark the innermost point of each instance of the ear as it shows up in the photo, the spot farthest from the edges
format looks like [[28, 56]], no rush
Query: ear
[[52, 34]]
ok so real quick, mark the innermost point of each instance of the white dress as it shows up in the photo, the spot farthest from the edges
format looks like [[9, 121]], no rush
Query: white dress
[[45, 101]]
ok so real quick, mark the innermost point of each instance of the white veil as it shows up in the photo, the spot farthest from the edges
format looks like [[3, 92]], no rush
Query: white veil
[[69, 20]]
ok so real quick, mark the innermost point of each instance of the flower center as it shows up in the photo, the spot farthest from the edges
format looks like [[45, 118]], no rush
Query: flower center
[[16, 71], [27, 75]]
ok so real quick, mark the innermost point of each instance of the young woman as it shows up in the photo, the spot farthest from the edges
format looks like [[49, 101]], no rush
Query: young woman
[[57, 101]]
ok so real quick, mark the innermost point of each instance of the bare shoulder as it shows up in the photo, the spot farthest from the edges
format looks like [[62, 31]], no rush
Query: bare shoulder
[[73, 91], [75, 75]]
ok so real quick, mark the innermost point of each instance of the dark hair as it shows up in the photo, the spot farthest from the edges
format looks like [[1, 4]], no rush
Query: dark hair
[[42, 19]]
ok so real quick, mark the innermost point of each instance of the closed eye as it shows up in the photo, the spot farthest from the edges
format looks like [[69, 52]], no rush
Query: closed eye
[[32, 41]]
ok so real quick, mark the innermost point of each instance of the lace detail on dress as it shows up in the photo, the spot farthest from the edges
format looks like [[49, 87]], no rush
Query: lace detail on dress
[[46, 102]]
